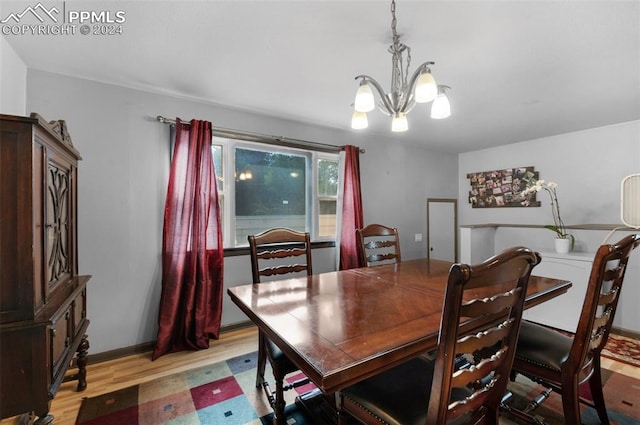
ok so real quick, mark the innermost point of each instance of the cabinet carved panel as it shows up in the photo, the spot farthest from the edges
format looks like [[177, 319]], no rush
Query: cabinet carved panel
[[57, 225]]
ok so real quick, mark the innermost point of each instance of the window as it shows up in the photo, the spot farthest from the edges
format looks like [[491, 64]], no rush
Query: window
[[327, 194], [262, 186]]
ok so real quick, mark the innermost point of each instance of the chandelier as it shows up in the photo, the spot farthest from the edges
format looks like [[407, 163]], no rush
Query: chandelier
[[405, 92]]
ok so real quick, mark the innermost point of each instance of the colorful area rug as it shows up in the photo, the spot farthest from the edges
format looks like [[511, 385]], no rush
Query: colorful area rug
[[225, 393], [221, 393]]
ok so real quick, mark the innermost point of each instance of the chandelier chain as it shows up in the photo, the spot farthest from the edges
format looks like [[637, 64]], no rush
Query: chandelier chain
[[400, 72], [394, 21]]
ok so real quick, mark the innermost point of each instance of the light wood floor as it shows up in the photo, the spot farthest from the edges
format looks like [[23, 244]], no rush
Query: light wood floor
[[113, 375], [121, 373]]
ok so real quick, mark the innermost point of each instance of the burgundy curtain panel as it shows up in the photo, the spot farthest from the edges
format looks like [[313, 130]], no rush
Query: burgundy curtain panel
[[351, 209], [192, 253]]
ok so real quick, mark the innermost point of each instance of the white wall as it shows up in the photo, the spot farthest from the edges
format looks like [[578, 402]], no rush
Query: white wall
[[124, 172], [13, 81], [396, 182], [588, 167], [122, 185]]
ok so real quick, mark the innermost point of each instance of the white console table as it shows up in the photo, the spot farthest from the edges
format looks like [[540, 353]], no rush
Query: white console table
[[563, 312], [480, 241]]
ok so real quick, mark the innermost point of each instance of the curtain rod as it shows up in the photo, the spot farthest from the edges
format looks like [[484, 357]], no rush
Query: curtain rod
[[257, 137]]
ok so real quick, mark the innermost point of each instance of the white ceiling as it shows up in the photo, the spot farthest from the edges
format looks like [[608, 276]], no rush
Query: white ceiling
[[519, 70]]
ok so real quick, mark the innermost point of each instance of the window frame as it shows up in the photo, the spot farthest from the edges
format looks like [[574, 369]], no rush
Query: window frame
[[229, 143]]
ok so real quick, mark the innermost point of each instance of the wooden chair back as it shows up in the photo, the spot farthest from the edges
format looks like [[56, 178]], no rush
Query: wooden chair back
[[280, 251], [491, 295], [566, 363], [599, 307], [377, 245], [275, 252]]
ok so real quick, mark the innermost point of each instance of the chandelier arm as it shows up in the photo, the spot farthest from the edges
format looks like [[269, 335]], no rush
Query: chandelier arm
[[408, 106], [383, 110], [387, 105]]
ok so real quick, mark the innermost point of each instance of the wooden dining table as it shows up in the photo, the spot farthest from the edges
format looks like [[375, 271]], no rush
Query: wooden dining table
[[342, 327]]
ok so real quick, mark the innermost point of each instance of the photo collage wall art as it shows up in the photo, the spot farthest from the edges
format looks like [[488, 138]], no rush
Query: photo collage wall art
[[502, 188]]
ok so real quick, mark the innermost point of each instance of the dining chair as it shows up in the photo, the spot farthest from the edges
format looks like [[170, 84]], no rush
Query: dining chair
[[275, 252], [562, 363], [481, 313], [377, 245]]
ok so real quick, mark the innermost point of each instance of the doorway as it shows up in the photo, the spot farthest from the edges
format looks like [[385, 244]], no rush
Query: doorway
[[442, 229]]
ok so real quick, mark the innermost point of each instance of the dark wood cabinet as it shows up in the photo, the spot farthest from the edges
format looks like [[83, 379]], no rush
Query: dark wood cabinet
[[43, 300]]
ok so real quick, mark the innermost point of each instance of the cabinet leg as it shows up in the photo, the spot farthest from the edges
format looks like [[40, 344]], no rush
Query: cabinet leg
[[82, 351], [25, 419], [44, 420]]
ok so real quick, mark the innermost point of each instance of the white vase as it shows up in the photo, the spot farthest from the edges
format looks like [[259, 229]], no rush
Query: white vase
[[563, 245]]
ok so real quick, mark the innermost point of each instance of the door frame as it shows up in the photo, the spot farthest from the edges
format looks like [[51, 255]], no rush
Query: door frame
[[455, 224]]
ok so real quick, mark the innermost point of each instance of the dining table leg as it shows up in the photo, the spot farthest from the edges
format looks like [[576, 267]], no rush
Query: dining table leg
[[341, 418], [319, 407]]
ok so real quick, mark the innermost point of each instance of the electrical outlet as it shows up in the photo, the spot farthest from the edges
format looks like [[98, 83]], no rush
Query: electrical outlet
[[418, 237]]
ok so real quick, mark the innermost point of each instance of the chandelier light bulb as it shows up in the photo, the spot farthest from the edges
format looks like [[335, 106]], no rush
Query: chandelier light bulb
[[359, 120], [426, 87], [364, 98], [399, 122], [440, 107]]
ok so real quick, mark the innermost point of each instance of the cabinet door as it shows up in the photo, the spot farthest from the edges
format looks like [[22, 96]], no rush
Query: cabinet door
[[562, 312], [79, 311], [58, 236], [60, 333]]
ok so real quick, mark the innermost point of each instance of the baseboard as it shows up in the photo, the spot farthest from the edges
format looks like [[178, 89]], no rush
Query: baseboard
[[625, 332], [121, 352], [147, 347]]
